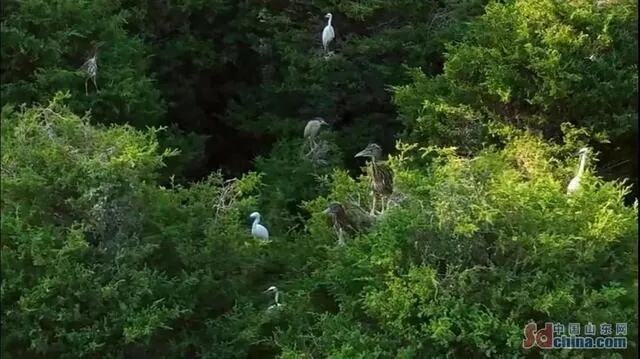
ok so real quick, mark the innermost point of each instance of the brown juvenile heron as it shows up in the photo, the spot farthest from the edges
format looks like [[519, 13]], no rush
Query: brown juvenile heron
[[381, 175], [347, 220]]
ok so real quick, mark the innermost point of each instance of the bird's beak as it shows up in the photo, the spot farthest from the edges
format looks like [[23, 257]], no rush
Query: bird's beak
[[326, 211], [363, 153]]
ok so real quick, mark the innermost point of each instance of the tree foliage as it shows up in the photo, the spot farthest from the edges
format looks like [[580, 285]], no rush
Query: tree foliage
[[478, 247], [46, 42], [533, 64], [125, 229]]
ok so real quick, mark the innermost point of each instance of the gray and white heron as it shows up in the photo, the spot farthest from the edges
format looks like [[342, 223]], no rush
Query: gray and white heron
[[257, 230], [91, 68], [574, 185], [276, 297], [313, 127], [381, 175], [328, 34], [311, 131]]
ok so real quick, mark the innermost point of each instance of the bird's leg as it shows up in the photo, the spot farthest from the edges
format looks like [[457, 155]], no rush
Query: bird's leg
[[373, 205], [340, 237], [382, 209], [95, 83], [86, 88], [312, 147]]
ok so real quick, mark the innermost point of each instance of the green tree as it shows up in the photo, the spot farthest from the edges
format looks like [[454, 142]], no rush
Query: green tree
[[46, 42], [478, 248], [97, 259], [536, 65]]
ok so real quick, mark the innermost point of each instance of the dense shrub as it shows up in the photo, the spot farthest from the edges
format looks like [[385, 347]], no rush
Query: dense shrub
[[99, 260], [479, 248], [534, 64], [116, 245]]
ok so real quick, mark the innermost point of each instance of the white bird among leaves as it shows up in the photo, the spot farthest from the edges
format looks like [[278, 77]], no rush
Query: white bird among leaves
[[276, 297], [574, 185], [327, 34], [257, 230]]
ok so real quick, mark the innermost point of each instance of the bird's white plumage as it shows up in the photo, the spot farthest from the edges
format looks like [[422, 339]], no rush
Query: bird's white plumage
[[257, 230], [574, 184], [327, 34], [313, 127], [276, 297]]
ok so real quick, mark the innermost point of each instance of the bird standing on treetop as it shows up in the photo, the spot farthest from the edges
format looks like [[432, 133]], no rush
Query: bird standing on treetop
[[380, 174], [257, 230], [276, 297], [91, 68], [347, 220], [574, 185], [313, 127], [327, 34]]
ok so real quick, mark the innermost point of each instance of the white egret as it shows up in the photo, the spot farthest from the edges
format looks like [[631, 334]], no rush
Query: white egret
[[327, 34], [381, 175], [276, 297], [257, 230], [574, 185]]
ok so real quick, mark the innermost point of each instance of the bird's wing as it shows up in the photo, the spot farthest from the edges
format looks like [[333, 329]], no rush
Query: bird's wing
[[385, 175], [358, 218], [262, 231], [327, 34], [308, 129]]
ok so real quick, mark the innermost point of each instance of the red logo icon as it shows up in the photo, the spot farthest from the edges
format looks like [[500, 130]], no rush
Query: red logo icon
[[543, 338]]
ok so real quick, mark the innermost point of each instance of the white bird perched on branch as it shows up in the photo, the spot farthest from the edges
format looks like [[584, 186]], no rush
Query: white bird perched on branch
[[257, 230], [574, 185], [313, 127], [327, 34], [276, 297]]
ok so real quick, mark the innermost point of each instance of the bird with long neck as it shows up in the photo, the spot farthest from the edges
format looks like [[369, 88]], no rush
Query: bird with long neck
[[381, 175], [574, 185], [328, 34], [276, 297], [257, 230]]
